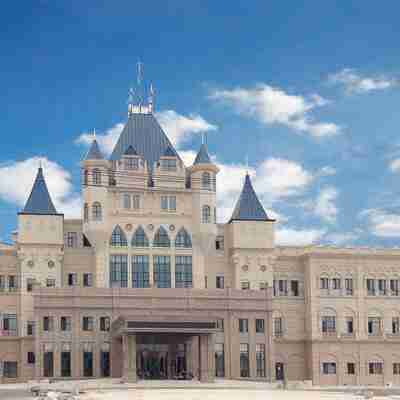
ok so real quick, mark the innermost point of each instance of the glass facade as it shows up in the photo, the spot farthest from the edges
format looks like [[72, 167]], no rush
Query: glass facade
[[183, 272], [140, 271], [118, 270], [162, 271], [118, 238]]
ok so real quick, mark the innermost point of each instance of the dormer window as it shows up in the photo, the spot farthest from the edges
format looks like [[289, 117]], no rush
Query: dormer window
[[131, 163], [168, 164]]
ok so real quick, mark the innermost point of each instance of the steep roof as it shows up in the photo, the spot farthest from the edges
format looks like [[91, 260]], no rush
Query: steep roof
[[202, 156], [39, 201], [249, 207], [94, 152], [145, 135], [169, 152]]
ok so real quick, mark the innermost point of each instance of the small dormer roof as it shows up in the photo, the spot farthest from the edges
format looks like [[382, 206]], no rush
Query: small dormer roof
[[130, 151], [202, 156], [249, 207], [94, 152], [39, 201]]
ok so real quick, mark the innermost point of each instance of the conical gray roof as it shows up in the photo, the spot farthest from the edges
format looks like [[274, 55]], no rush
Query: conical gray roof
[[202, 156], [39, 201], [249, 207], [145, 135], [94, 152]]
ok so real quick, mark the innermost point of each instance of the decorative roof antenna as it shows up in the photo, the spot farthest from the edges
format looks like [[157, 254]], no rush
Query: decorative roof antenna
[[151, 98], [136, 96]]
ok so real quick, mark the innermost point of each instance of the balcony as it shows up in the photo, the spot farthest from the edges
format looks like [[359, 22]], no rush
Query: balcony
[[8, 332], [329, 334], [375, 334], [347, 335]]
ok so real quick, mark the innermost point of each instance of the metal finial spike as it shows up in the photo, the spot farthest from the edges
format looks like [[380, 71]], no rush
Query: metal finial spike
[[139, 73], [202, 137], [247, 164], [94, 133], [40, 163]]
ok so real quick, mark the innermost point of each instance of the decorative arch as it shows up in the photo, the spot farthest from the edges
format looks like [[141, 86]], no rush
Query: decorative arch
[[139, 238], [206, 214], [118, 237], [183, 239], [96, 211], [161, 238]]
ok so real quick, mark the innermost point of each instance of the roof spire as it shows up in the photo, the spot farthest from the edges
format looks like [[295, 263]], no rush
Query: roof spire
[[151, 98], [136, 96]]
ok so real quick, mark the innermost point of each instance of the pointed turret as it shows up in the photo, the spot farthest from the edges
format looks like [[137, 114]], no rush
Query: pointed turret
[[249, 207], [39, 201], [202, 156], [94, 152]]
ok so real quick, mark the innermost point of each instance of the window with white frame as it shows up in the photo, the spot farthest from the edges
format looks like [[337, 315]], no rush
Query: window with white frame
[[395, 325], [382, 287], [348, 282], [370, 287], [206, 214], [168, 203], [72, 239], [374, 326], [328, 324], [324, 283], [375, 367], [329, 368]]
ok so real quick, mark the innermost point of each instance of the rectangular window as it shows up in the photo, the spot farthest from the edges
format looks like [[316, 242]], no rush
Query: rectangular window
[[48, 324], [382, 287], [29, 284], [329, 368], [324, 283], [260, 326], [374, 326], [219, 243], [396, 368], [168, 203], [172, 203], [349, 286], [351, 369], [105, 324], [263, 285], [244, 360], [219, 283], [65, 324], [30, 357], [10, 325], [30, 328], [245, 285], [294, 288], [136, 202], [12, 283], [87, 323], [278, 327], [328, 324], [183, 271], [395, 325], [87, 279], [394, 287], [349, 325], [48, 364], [280, 287], [168, 164], [164, 203], [72, 239], [375, 368], [118, 271], [87, 364], [243, 325], [260, 360], [131, 163], [336, 284], [220, 324], [126, 199], [72, 279], [162, 271], [371, 287], [2, 283], [50, 282], [219, 360], [65, 364], [140, 272], [10, 369]]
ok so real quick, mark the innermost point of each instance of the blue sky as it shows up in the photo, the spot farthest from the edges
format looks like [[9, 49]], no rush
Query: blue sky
[[309, 91]]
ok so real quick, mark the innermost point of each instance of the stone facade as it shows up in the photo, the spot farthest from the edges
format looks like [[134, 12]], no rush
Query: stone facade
[[148, 267]]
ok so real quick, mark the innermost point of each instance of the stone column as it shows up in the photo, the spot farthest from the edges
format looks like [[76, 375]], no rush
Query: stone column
[[188, 355], [129, 354], [211, 357], [204, 358]]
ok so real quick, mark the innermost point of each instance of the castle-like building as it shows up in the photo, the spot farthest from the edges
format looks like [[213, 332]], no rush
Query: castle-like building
[[148, 285]]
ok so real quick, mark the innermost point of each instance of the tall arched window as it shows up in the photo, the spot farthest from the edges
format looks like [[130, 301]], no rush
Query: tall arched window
[[139, 238], [183, 239], [96, 176], [96, 211], [86, 177], [206, 180], [161, 238], [118, 238], [86, 212], [206, 214]]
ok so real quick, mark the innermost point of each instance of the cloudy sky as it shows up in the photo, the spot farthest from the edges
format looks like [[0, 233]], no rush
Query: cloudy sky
[[308, 92]]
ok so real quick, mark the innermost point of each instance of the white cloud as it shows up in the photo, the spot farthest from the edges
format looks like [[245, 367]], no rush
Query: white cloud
[[353, 82], [271, 105], [341, 238], [24, 172], [179, 129], [325, 206], [394, 165], [298, 237], [382, 223], [327, 171]]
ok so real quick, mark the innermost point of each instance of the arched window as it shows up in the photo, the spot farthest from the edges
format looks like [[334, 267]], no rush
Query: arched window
[[96, 177], [161, 238], [206, 215], [139, 238], [96, 211], [183, 239], [206, 180], [86, 177], [86, 212], [118, 237]]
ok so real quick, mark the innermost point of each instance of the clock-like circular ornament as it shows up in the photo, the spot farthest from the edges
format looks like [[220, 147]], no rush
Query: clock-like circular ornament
[[245, 268], [172, 227], [263, 268], [51, 264], [128, 227], [31, 263]]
